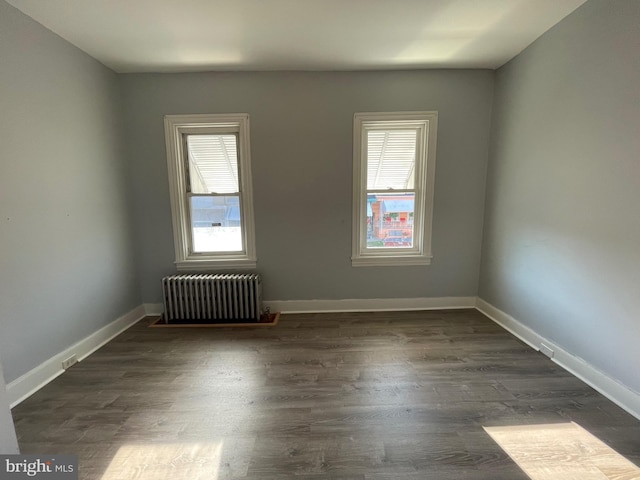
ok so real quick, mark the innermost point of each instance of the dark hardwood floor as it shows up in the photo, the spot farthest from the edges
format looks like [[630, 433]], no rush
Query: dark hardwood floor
[[373, 396]]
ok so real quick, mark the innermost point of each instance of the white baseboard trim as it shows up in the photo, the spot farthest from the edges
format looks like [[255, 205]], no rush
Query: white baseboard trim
[[36, 378], [369, 305], [29, 383], [615, 391], [153, 308], [352, 305]]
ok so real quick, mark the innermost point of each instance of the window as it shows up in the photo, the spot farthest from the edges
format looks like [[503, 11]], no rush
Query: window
[[210, 186], [393, 176]]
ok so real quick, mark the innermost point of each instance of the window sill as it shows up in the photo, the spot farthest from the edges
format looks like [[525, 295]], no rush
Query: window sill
[[390, 261], [201, 265]]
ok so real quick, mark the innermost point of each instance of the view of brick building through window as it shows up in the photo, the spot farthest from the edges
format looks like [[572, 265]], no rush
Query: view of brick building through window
[[393, 179], [390, 219]]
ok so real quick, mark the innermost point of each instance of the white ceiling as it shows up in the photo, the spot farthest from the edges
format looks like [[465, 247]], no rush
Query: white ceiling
[[200, 35]]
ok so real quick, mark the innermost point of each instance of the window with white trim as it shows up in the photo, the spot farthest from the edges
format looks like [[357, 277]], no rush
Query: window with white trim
[[208, 159], [394, 156]]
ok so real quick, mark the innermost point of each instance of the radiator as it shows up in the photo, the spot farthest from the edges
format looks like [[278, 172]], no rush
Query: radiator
[[212, 297]]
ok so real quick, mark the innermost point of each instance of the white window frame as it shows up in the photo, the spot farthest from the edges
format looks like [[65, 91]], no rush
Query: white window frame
[[426, 125], [176, 127]]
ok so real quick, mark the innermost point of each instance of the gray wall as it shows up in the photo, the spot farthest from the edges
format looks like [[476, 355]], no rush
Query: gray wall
[[301, 141], [66, 265], [561, 249], [8, 441]]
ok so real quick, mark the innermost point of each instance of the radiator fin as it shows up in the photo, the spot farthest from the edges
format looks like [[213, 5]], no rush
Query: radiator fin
[[212, 297]]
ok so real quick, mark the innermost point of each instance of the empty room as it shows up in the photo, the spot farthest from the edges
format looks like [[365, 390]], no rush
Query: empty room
[[320, 239]]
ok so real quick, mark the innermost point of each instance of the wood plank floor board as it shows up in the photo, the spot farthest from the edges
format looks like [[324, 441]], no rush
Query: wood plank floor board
[[362, 396]]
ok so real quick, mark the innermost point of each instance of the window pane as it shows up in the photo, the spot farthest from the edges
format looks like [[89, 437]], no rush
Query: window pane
[[390, 220], [215, 224], [213, 163], [391, 159]]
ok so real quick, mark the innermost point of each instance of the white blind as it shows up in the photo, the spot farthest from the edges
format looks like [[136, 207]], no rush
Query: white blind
[[391, 159], [213, 163]]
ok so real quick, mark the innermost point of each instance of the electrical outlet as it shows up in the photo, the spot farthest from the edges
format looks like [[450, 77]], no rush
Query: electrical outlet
[[68, 362], [546, 350]]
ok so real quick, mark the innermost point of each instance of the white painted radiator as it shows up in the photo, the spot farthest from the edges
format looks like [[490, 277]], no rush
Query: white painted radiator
[[212, 297]]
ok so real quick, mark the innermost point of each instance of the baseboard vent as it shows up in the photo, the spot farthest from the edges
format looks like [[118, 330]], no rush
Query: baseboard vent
[[546, 350], [69, 362]]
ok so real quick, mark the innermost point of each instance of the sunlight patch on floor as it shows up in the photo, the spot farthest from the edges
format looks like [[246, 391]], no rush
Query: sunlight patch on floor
[[194, 461], [562, 451]]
